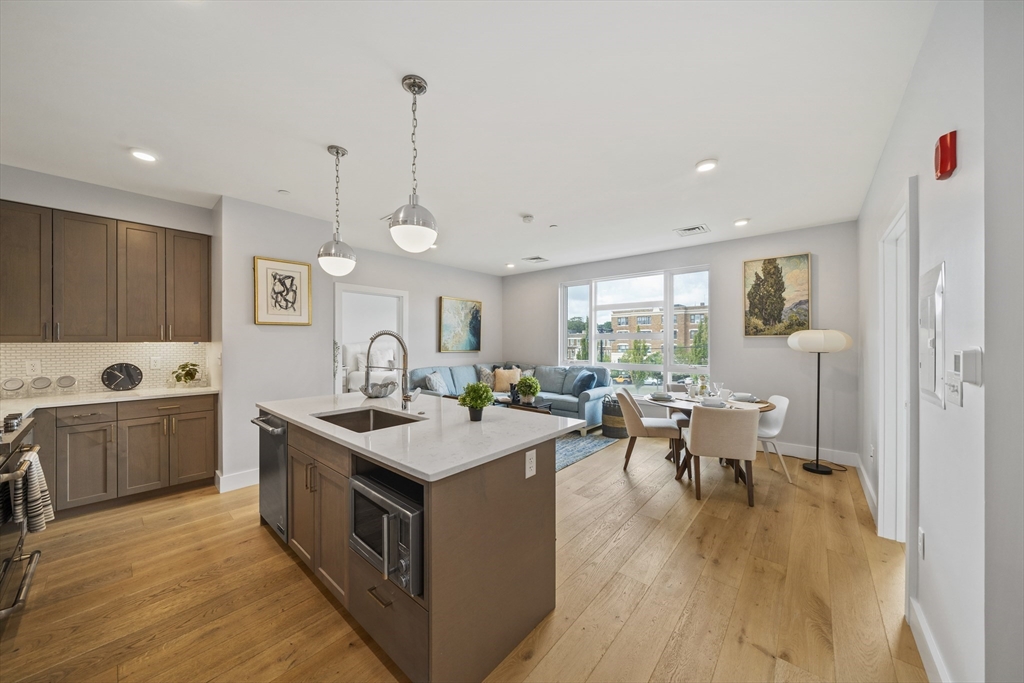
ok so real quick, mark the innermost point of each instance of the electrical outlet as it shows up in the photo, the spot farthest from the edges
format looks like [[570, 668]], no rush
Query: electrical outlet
[[33, 367], [531, 463], [920, 542], [154, 363]]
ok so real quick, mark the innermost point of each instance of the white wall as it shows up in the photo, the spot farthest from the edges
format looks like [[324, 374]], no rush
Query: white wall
[[945, 93], [41, 189], [763, 366], [270, 362], [1004, 329]]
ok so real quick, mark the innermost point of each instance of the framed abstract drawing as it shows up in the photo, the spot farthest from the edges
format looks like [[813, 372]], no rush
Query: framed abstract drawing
[[459, 327], [283, 292], [777, 296]]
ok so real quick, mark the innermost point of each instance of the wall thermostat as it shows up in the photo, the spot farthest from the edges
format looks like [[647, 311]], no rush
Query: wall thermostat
[[967, 365]]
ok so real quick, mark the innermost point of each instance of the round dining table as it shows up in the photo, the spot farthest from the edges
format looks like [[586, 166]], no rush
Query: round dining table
[[683, 403]]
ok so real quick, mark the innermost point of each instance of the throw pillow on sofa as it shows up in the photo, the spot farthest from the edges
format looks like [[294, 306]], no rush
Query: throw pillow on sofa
[[486, 375], [435, 382], [503, 378], [584, 382]]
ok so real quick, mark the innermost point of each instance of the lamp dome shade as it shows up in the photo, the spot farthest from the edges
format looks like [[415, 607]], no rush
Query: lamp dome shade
[[413, 227], [337, 258], [820, 341]]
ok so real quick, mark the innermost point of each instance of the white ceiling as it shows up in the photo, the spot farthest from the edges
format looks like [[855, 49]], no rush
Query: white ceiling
[[587, 115]]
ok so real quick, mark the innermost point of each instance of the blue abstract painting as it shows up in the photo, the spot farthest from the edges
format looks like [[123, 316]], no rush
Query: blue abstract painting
[[460, 325]]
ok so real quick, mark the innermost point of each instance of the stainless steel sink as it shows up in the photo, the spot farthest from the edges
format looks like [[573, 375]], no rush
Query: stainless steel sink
[[366, 419]]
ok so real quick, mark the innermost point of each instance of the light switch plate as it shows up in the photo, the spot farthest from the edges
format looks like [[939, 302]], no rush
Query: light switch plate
[[531, 463], [33, 368]]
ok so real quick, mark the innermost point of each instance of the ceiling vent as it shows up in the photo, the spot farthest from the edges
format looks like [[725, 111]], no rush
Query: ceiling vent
[[692, 230], [535, 259]]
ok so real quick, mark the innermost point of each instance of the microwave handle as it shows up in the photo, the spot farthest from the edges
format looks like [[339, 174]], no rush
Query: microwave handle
[[386, 554]]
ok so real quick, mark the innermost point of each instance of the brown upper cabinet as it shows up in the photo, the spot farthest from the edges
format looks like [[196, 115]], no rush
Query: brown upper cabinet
[[26, 267], [84, 278], [140, 283], [188, 286]]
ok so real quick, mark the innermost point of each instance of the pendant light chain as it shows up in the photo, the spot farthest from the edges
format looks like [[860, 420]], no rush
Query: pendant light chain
[[415, 152], [337, 196]]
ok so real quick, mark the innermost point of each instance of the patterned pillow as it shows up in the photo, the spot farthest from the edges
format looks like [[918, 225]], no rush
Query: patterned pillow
[[528, 373], [435, 382], [502, 379], [486, 375]]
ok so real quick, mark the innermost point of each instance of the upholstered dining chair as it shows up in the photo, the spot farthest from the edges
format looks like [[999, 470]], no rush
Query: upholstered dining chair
[[721, 433], [769, 427], [638, 426]]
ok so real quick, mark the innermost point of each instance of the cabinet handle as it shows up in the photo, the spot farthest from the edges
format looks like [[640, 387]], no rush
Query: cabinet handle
[[312, 478], [56, 331], [75, 417], [161, 333], [166, 407], [379, 599], [307, 476], [174, 425], [46, 331], [165, 426], [110, 433], [170, 333]]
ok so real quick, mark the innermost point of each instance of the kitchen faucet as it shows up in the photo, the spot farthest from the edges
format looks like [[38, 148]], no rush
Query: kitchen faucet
[[407, 398]]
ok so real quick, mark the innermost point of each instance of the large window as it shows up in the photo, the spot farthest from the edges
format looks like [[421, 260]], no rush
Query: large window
[[602, 322]]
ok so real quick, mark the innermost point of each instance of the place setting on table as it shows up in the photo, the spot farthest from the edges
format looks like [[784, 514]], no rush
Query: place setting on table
[[716, 397]]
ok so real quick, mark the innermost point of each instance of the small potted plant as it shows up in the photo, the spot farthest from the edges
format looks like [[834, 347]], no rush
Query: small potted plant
[[529, 387], [476, 397], [186, 373]]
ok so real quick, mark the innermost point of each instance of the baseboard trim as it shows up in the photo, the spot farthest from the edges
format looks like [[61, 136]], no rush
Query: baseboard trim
[[237, 480], [934, 665], [797, 450], [869, 493]]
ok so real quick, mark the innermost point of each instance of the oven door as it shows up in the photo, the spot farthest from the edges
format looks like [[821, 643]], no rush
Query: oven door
[[373, 522]]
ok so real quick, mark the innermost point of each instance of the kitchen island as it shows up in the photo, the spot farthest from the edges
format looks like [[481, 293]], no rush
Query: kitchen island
[[450, 595]]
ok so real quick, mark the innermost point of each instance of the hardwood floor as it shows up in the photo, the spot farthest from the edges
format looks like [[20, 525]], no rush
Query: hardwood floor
[[652, 585]]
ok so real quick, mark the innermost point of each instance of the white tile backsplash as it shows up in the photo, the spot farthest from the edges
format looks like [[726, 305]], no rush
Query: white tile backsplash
[[86, 362]]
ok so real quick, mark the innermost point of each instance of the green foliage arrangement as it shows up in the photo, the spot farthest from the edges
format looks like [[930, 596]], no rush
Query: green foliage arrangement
[[528, 386], [476, 395], [186, 372]]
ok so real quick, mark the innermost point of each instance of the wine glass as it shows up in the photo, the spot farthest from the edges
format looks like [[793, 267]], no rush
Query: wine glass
[[718, 387]]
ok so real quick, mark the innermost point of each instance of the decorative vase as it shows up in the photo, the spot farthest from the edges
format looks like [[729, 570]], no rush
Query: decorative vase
[[513, 393], [528, 400], [476, 414]]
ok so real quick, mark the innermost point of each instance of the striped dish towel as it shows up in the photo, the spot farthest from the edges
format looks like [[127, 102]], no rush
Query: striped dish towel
[[30, 499]]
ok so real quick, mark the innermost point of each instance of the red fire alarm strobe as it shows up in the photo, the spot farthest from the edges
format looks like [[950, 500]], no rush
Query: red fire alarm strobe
[[945, 156]]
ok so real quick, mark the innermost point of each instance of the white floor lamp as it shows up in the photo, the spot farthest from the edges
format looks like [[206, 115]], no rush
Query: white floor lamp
[[819, 342]]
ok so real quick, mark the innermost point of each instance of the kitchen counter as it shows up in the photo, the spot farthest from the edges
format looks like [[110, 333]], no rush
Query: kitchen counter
[[441, 443]]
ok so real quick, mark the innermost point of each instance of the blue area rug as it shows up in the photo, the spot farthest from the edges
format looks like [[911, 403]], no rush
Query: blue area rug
[[572, 448]]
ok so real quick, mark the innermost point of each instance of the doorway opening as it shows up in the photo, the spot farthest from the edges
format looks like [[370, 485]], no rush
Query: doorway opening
[[359, 312]]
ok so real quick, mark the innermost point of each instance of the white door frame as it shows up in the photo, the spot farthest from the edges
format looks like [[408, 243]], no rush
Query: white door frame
[[339, 289], [898, 478]]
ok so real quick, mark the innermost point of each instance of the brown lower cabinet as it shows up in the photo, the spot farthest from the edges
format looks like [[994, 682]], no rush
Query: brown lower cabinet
[[86, 464], [110, 450], [318, 519]]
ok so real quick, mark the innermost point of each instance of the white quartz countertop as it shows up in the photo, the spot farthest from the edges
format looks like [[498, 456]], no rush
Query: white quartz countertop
[[26, 405], [442, 442]]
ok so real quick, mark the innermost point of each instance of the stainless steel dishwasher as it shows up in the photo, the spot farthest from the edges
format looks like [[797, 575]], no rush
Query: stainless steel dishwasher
[[273, 472]]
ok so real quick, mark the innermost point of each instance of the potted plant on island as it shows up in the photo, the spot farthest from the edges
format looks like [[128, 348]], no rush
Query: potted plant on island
[[476, 397], [528, 387], [186, 373]]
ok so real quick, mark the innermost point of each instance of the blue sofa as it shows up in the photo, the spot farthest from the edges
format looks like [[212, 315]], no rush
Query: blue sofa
[[555, 386]]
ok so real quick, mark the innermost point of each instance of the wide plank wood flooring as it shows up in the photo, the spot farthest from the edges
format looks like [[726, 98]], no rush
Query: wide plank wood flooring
[[652, 586]]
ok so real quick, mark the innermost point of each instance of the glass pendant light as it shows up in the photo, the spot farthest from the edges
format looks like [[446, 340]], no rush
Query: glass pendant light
[[336, 257], [413, 228]]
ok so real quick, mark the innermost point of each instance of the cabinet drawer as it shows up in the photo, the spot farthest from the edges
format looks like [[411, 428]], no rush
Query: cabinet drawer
[[392, 618], [129, 410], [69, 416], [332, 454]]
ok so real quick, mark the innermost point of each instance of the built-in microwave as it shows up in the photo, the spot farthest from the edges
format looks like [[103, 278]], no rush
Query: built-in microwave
[[386, 530]]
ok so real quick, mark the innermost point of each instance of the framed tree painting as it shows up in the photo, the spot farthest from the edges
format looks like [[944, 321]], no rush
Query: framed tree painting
[[777, 296], [283, 292], [459, 328]]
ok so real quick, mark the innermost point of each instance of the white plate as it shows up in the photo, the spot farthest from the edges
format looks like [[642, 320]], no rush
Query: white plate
[[12, 384], [712, 404], [66, 381], [41, 382], [742, 396]]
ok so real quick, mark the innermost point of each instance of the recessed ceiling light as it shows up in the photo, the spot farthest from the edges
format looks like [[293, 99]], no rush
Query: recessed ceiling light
[[433, 246], [741, 222], [706, 165], [143, 155], [510, 265]]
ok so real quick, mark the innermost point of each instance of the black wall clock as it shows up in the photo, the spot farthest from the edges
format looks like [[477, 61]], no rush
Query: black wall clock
[[121, 376]]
